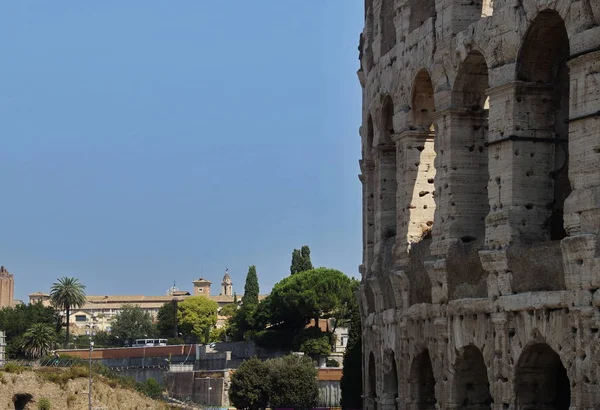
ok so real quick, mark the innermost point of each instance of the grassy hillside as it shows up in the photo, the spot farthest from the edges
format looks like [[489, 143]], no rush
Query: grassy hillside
[[64, 389]]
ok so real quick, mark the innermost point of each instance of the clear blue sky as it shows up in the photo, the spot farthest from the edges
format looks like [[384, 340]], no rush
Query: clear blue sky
[[143, 142]]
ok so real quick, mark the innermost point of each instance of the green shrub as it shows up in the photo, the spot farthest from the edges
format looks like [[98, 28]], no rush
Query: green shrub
[[332, 363], [13, 368], [44, 404], [151, 388], [175, 341]]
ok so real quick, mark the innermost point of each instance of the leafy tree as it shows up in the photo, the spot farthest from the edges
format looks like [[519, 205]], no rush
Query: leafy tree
[[292, 382], [132, 322], [251, 288], [249, 389], [38, 340], [196, 316], [301, 260], [65, 294], [151, 388], [307, 295], [166, 320], [218, 334], [351, 382], [15, 321], [313, 342], [228, 310]]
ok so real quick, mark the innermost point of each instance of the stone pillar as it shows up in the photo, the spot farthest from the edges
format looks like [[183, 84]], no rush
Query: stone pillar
[[415, 203], [367, 168], [500, 372], [521, 162], [385, 206], [581, 250]]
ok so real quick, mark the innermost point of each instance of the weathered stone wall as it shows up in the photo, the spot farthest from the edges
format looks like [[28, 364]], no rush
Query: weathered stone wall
[[481, 259]]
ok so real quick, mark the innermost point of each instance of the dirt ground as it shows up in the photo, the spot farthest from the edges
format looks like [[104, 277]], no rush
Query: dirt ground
[[28, 386]]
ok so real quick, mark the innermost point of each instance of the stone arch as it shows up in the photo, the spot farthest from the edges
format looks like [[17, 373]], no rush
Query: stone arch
[[471, 388], [541, 380], [423, 104], [388, 28], [372, 381], [420, 12], [468, 140], [466, 13], [422, 382], [390, 376], [542, 111], [21, 400]]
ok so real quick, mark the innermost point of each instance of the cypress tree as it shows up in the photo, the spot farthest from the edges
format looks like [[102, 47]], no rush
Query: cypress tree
[[301, 260], [251, 287], [351, 382]]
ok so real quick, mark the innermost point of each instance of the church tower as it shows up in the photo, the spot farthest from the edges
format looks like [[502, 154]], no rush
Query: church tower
[[227, 285], [7, 288]]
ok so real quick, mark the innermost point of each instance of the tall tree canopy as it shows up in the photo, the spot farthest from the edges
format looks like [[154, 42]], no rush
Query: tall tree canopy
[[249, 389], [17, 320], [251, 289], [196, 316], [65, 294], [132, 322], [301, 260], [351, 382], [311, 294], [38, 340], [167, 320]]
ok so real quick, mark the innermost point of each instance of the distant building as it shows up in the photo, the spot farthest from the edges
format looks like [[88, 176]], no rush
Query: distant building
[[106, 307], [7, 289], [2, 348]]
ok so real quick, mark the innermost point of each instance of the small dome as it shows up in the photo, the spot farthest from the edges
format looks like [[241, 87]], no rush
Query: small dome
[[226, 278]]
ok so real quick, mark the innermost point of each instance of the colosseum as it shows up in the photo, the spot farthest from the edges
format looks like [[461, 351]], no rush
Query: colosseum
[[481, 204]]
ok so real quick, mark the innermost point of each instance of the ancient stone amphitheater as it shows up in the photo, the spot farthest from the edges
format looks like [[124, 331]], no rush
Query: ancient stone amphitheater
[[481, 204]]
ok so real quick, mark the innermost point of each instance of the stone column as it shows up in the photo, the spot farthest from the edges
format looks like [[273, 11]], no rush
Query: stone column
[[500, 372], [415, 203], [385, 207], [581, 250], [366, 177]]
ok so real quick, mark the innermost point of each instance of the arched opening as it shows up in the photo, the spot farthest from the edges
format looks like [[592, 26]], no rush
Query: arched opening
[[541, 380], [471, 386], [372, 393], [388, 29], [370, 298], [21, 400], [390, 378], [420, 12], [422, 382], [542, 112], [469, 151]]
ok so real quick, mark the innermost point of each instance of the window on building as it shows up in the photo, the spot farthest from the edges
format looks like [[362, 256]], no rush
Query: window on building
[[80, 318]]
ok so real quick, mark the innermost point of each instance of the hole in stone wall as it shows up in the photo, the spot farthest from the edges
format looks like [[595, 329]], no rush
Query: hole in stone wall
[[21, 400], [541, 380]]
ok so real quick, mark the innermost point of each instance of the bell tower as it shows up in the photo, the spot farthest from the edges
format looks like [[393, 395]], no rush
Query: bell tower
[[7, 288], [227, 285]]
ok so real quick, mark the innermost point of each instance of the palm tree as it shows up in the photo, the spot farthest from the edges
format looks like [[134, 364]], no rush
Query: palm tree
[[65, 294], [38, 340]]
